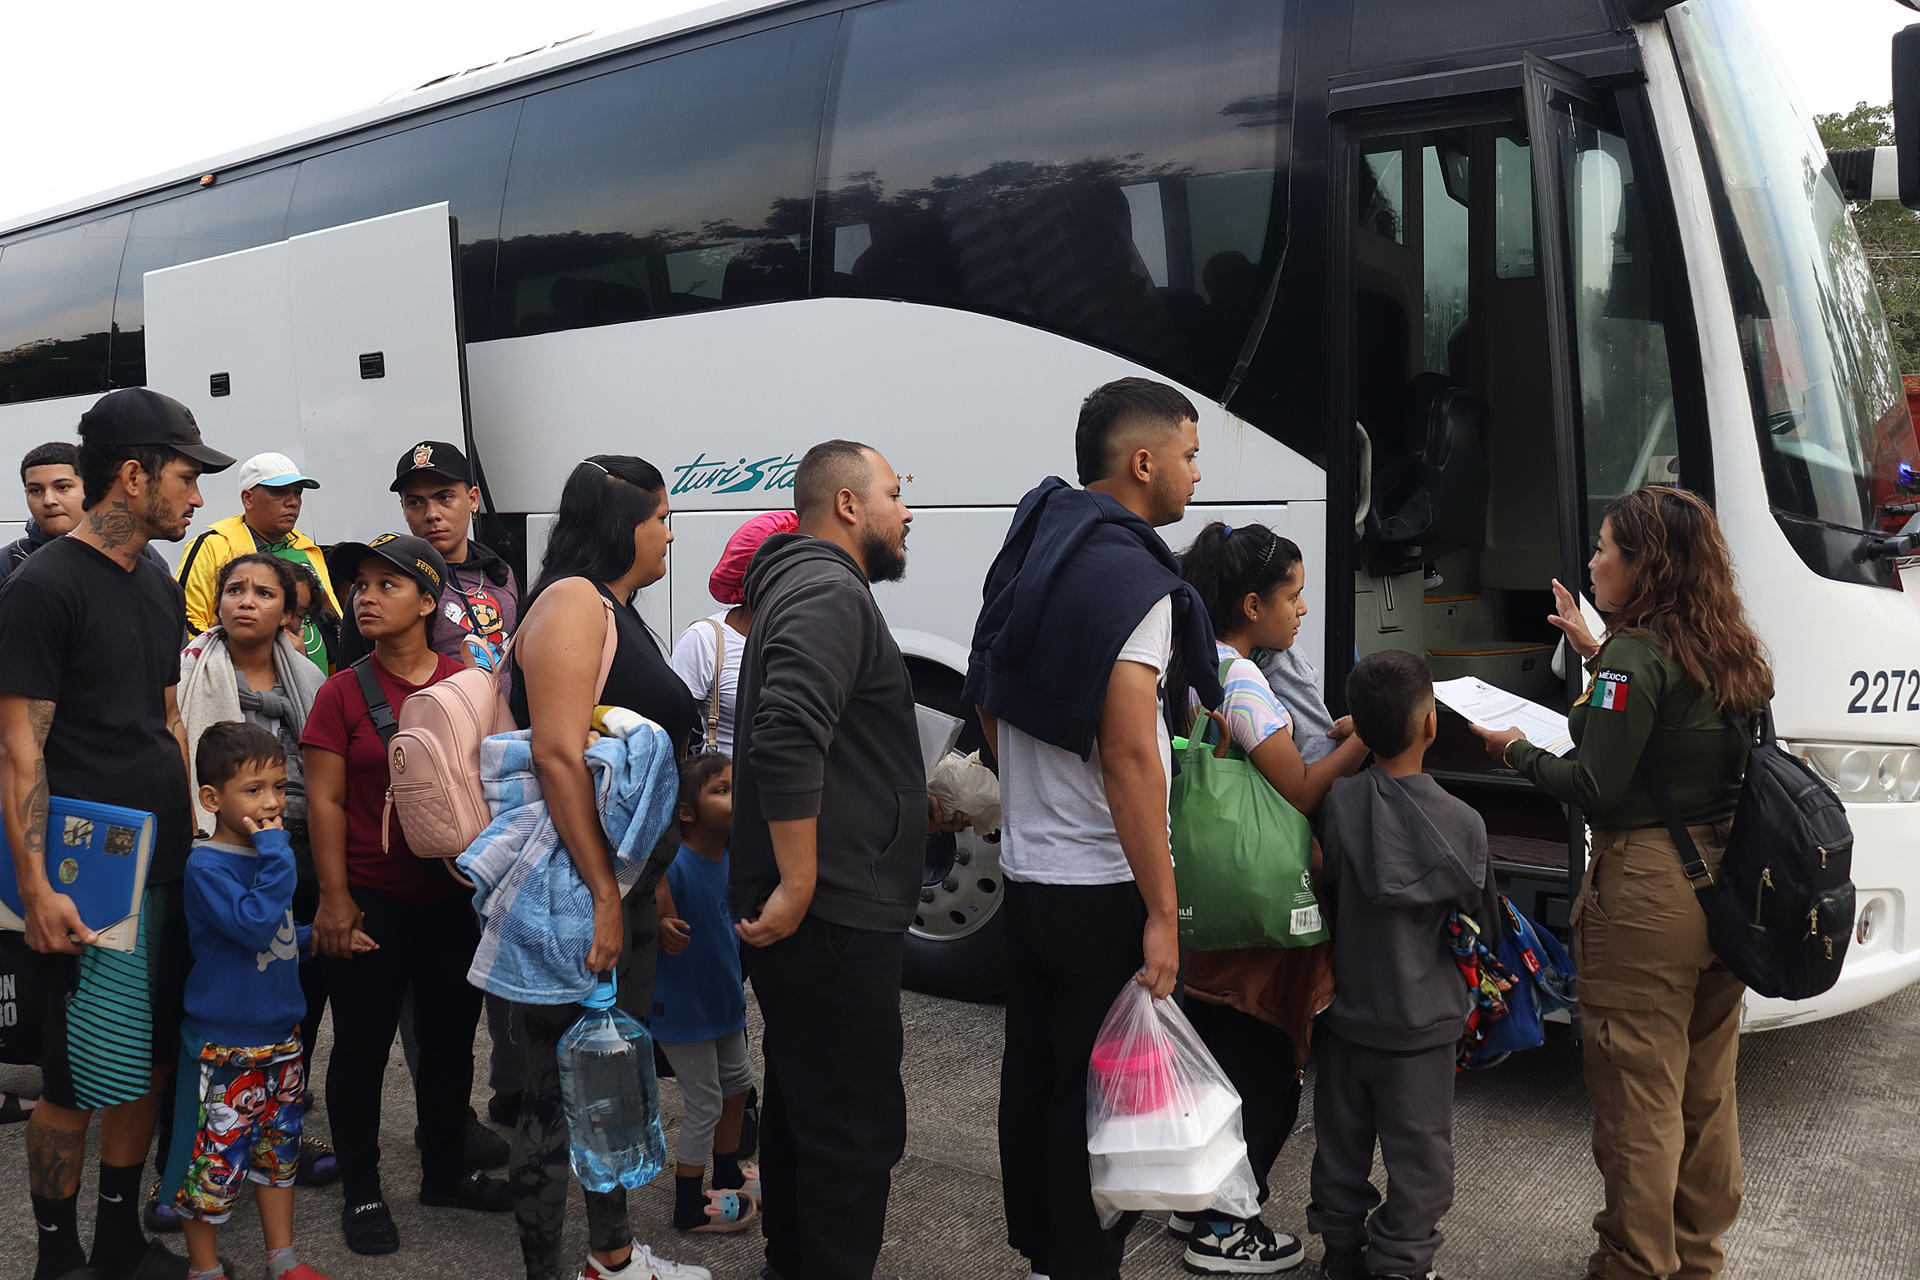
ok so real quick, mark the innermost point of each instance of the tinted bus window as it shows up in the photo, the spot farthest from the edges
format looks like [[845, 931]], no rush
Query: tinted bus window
[[224, 218], [669, 187], [462, 160], [56, 303], [1104, 168]]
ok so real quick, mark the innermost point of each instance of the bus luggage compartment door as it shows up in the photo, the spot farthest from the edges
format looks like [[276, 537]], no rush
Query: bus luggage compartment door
[[339, 348]]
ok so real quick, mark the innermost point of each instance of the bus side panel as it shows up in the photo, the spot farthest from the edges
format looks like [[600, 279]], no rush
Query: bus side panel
[[725, 403]]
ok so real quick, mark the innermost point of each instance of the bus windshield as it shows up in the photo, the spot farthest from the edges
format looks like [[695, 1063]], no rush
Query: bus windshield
[[1836, 441]]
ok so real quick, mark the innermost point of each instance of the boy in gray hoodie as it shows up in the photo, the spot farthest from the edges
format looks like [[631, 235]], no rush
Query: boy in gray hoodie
[[1401, 854]]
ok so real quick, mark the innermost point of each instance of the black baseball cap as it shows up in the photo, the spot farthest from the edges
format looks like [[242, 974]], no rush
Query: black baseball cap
[[139, 416], [413, 556], [432, 457]]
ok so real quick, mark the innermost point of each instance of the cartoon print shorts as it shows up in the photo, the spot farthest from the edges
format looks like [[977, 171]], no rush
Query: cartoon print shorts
[[245, 1111]]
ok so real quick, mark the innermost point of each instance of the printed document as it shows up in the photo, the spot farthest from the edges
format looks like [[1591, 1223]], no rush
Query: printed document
[[1494, 708]]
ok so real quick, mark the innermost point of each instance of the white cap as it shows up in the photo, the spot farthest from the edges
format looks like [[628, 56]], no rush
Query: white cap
[[275, 470]]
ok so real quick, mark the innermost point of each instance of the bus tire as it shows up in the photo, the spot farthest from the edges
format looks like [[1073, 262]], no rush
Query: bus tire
[[956, 945]]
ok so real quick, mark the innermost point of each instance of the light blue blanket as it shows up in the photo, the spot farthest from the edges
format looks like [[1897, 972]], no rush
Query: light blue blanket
[[536, 913]]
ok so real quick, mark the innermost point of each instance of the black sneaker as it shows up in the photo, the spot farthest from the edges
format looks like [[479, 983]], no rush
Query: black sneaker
[[504, 1108], [474, 1191], [1345, 1262], [1181, 1226], [481, 1147], [1240, 1247]]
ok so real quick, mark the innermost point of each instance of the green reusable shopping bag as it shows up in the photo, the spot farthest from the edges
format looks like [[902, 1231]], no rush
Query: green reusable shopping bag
[[1242, 855]]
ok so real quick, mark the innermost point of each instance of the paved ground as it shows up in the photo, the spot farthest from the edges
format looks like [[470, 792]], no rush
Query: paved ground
[[1829, 1116]]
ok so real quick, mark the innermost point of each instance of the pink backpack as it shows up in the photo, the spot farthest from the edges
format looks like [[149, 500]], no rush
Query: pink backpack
[[433, 754]]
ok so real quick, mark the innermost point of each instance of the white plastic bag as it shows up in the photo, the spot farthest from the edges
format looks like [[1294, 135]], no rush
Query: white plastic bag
[[962, 784], [1163, 1121]]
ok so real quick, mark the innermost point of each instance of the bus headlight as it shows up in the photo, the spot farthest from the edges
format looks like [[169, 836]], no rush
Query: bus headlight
[[1864, 773]]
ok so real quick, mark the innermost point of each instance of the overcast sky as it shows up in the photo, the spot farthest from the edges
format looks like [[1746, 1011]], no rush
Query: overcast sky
[[94, 95]]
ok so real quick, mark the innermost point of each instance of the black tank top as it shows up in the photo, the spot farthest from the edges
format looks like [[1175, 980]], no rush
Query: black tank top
[[639, 680]]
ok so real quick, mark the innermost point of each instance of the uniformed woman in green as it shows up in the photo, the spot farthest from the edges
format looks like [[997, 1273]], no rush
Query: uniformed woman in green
[[1673, 689]]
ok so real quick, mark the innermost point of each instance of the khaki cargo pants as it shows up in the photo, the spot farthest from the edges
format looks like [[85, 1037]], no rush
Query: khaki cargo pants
[[1661, 1021]]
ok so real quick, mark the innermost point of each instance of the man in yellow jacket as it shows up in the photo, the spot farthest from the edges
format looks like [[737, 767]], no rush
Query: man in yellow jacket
[[271, 489]]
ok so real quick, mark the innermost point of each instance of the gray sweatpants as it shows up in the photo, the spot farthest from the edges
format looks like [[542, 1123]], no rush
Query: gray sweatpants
[[708, 1072], [1405, 1101]]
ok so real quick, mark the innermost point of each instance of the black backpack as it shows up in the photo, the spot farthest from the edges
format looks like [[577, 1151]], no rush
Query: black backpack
[[1780, 906]]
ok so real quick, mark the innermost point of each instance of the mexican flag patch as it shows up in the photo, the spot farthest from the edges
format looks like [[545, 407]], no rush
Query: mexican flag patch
[[1609, 691]]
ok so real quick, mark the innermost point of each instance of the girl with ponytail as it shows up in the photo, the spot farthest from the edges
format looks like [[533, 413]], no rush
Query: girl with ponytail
[[1254, 1008]]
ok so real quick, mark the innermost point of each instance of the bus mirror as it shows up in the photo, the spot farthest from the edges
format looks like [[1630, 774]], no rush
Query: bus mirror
[[1906, 112]]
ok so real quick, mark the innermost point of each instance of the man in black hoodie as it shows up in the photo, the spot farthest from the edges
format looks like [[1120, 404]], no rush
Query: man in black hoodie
[[1401, 856], [830, 816], [1072, 670]]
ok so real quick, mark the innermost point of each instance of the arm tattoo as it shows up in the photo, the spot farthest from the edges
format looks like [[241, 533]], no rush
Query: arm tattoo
[[113, 524], [54, 1158], [33, 814]]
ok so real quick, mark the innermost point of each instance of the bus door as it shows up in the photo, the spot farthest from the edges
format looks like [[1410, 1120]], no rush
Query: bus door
[[1506, 377], [339, 348], [1618, 325]]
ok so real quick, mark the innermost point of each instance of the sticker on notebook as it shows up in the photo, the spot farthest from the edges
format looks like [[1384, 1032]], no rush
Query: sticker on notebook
[[76, 831], [1609, 691], [120, 841], [69, 871]]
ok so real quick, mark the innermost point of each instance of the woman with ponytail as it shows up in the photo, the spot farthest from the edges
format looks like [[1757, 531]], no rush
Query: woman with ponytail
[[609, 541], [1254, 1008], [1672, 695]]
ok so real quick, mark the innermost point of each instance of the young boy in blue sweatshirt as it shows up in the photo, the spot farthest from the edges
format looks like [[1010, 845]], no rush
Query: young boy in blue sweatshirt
[[1401, 855], [238, 1102]]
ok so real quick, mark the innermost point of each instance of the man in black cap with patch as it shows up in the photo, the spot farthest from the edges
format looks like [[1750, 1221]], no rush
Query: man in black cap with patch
[[440, 499], [89, 660]]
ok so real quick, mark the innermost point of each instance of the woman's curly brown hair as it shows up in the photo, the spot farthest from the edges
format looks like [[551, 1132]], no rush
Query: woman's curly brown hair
[[1683, 596]]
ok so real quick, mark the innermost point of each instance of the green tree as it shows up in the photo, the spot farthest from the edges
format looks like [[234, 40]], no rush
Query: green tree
[[1889, 232]]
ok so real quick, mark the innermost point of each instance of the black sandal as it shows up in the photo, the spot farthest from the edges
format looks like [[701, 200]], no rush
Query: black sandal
[[369, 1228], [16, 1108]]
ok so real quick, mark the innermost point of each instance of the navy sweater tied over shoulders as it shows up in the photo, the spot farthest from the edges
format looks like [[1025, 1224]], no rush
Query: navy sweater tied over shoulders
[[1073, 580]]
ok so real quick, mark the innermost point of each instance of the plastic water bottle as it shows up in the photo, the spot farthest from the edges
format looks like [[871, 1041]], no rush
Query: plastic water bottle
[[611, 1097]]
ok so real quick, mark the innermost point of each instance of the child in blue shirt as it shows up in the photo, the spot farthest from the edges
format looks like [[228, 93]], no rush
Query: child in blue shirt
[[238, 1099], [700, 1008]]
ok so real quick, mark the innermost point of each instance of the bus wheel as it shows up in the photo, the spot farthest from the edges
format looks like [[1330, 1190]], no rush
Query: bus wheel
[[956, 946]]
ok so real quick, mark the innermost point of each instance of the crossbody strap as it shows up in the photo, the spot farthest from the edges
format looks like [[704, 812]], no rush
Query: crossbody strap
[[1691, 864], [378, 709], [713, 694]]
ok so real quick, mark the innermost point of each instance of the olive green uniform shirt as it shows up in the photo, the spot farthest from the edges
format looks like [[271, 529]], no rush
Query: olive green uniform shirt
[[1641, 702]]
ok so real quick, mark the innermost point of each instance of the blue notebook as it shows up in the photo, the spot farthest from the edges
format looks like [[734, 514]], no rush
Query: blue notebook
[[97, 854]]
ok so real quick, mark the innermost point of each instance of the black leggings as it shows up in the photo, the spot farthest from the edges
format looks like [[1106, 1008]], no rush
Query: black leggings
[[540, 1168], [427, 946], [1258, 1058]]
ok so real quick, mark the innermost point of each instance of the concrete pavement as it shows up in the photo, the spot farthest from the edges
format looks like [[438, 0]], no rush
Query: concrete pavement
[[1830, 1118]]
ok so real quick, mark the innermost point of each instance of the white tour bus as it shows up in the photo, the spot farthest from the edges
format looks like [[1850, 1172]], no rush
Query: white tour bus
[[1442, 278]]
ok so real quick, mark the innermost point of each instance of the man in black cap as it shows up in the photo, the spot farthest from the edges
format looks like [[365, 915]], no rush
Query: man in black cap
[[477, 615], [89, 658], [439, 499]]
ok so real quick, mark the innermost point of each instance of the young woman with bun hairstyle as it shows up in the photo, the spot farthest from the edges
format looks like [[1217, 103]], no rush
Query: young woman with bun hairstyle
[[1253, 583]]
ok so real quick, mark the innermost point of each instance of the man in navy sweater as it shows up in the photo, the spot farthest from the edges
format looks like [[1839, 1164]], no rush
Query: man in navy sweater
[[1070, 672]]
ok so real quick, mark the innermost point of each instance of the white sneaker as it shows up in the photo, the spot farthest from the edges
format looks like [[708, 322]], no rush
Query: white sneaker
[[1181, 1226], [643, 1266]]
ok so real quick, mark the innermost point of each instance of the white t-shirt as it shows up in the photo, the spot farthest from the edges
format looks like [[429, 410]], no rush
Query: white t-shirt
[[692, 661], [1057, 826]]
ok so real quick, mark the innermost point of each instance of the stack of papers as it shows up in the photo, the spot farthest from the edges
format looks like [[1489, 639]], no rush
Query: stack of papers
[[1494, 708]]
